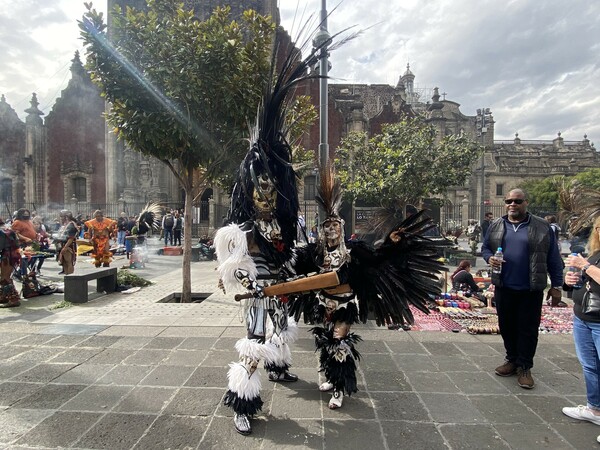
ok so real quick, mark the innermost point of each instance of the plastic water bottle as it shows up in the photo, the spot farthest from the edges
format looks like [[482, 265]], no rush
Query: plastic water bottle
[[498, 255], [576, 271]]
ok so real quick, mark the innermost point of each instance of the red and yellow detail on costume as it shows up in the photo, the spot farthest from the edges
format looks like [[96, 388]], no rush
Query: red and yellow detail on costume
[[100, 233]]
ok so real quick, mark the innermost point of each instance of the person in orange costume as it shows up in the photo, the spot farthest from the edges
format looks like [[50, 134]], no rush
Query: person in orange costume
[[100, 229]]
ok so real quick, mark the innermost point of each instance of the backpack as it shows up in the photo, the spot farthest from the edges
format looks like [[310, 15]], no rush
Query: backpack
[[169, 221], [554, 228]]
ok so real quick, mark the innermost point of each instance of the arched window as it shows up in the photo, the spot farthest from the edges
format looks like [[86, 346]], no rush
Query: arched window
[[6, 190]]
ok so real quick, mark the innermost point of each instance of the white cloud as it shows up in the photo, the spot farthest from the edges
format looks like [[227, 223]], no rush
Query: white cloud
[[535, 64]]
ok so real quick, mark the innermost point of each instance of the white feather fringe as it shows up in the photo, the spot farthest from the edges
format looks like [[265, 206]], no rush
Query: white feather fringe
[[290, 334], [250, 348], [231, 248], [246, 387]]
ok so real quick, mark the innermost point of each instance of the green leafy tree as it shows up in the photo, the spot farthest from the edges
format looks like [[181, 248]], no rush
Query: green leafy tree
[[180, 89], [404, 163], [589, 178], [544, 192]]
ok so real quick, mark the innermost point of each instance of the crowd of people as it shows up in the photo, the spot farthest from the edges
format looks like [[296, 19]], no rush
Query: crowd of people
[[28, 239]]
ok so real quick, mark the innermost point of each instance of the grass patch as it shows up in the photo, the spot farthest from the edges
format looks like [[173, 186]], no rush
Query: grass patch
[[128, 278], [61, 304]]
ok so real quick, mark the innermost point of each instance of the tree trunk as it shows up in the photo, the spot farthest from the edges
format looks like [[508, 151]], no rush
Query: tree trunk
[[186, 289]]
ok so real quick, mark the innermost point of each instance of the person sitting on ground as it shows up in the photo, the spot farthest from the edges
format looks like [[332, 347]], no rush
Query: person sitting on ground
[[462, 280]]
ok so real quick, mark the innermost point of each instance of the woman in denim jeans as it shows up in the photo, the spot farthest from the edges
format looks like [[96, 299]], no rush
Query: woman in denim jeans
[[586, 328]]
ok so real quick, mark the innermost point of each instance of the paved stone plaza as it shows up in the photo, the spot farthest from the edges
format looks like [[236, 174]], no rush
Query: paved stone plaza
[[124, 371]]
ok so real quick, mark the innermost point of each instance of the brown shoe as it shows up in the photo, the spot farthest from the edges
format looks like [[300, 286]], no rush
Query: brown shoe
[[525, 379], [506, 370]]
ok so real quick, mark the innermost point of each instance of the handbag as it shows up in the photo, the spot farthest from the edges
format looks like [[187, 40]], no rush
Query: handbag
[[591, 303], [591, 300]]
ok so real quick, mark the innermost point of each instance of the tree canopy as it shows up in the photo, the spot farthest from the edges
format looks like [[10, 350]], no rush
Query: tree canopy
[[403, 164], [543, 192], [180, 89]]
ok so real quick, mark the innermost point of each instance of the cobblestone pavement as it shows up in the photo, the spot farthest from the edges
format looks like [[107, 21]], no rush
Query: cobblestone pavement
[[125, 371]]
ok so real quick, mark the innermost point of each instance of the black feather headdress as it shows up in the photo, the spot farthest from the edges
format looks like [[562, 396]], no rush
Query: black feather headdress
[[149, 218], [269, 159]]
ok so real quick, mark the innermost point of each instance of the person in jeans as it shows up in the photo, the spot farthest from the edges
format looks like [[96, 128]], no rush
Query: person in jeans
[[167, 225], [586, 328], [530, 255]]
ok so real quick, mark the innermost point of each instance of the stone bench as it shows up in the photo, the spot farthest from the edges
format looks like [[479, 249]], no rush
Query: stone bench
[[76, 284]]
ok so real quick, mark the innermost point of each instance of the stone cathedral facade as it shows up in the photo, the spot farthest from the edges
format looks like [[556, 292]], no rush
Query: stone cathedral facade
[[72, 155]]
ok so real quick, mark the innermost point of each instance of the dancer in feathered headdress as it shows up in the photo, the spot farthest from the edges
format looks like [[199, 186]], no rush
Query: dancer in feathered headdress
[[137, 248], [253, 250], [385, 280]]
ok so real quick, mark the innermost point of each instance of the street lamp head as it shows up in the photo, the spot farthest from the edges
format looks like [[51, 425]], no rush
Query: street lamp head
[[321, 39]]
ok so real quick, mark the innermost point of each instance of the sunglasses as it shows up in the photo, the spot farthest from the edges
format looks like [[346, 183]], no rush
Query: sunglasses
[[516, 201]]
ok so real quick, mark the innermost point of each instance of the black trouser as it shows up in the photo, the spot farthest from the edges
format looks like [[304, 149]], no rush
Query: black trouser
[[519, 315], [177, 236]]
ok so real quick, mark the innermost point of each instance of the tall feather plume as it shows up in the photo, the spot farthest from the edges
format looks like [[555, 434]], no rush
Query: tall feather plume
[[270, 152], [149, 218], [329, 194]]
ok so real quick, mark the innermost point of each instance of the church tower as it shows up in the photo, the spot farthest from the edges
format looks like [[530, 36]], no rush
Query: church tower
[[35, 155]]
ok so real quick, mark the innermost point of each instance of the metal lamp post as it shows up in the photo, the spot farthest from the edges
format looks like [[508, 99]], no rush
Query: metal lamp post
[[321, 41], [484, 117]]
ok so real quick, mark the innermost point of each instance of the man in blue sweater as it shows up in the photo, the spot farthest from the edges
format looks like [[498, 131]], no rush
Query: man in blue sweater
[[530, 255]]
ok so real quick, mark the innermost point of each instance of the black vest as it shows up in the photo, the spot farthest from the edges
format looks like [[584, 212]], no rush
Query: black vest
[[539, 243]]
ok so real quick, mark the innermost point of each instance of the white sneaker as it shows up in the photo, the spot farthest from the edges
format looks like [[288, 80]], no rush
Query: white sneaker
[[326, 386], [598, 438], [581, 412], [336, 400]]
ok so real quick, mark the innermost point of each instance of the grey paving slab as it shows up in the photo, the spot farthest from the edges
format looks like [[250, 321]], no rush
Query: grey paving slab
[[184, 357], [207, 377], [97, 398], [127, 372], [195, 401], [83, 374], [50, 396], [432, 382], [534, 436], [170, 431], [11, 392], [413, 435], [168, 376], [474, 437], [16, 422], [344, 434], [61, 429], [116, 431], [125, 375], [146, 399], [451, 408], [387, 380], [45, 372]]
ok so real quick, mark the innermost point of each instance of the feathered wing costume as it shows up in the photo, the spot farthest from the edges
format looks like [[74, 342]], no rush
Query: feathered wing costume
[[384, 281], [253, 250], [149, 218]]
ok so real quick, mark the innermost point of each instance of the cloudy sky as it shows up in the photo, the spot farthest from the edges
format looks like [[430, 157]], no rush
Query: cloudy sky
[[535, 64]]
